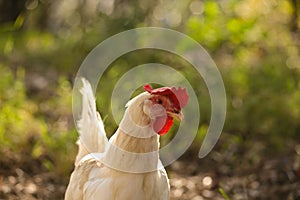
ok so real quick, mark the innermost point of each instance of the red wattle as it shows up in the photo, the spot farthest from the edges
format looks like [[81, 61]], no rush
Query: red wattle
[[162, 125]]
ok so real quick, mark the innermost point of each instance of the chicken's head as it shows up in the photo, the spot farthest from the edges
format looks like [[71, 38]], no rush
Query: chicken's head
[[164, 105]]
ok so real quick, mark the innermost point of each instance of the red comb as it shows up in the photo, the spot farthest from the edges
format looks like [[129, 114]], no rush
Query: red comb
[[179, 96]]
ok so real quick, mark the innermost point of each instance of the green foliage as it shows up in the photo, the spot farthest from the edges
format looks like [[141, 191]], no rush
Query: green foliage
[[16, 110], [223, 193], [252, 42], [24, 128], [253, 55]]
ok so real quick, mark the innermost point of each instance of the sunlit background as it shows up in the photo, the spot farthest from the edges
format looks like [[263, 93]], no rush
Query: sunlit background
[[255, 44]]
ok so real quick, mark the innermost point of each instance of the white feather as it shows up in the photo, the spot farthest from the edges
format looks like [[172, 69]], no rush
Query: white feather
[[92, 136], [93, 179]]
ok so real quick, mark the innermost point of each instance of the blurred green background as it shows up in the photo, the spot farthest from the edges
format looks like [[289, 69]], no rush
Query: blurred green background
[[255, 44]]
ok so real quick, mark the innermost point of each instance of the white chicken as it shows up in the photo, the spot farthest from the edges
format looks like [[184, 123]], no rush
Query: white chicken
[[127, 167]]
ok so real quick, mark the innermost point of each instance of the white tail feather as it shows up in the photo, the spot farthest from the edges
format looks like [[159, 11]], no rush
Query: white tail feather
[[92, 136]]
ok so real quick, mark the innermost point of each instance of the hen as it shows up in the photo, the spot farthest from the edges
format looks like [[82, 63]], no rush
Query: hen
[[127, 167]]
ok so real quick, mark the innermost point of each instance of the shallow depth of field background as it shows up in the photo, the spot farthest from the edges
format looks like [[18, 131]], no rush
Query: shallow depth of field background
[[255, 44]]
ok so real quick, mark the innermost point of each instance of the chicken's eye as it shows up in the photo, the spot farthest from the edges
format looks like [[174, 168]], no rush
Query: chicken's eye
[[176, 111], [159, 101]]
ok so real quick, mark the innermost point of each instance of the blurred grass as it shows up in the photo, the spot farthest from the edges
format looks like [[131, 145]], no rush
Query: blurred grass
[[253, 43], [36, 130]]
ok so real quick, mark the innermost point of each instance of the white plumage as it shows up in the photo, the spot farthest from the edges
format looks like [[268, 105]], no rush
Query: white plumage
[[114, 170]]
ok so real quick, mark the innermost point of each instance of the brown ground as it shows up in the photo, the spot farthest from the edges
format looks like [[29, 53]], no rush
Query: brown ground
[[240, 177]]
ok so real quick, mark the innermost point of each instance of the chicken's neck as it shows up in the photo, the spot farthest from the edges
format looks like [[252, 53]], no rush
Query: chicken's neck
[[135, 133], [134, 146]]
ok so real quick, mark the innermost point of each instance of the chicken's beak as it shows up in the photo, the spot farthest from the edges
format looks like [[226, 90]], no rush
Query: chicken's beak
[[178, 116]]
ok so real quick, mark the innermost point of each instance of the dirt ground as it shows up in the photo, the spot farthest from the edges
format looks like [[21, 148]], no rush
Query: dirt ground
[[215, 177]]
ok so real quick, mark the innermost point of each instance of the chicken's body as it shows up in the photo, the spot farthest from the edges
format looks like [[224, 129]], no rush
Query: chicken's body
[[115, 170], [92, 180]]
